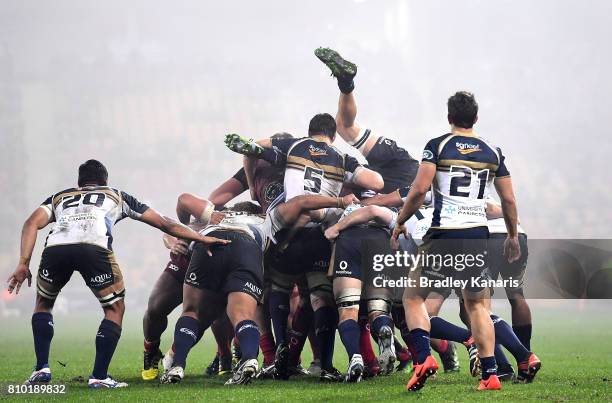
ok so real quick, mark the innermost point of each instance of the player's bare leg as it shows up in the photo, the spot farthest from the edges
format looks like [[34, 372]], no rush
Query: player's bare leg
[[348, 128], [166, 295]]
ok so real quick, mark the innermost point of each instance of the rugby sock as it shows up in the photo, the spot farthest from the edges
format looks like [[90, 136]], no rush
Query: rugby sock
[[151, 346], [350, 336], [247, 333], [420, 339], [186, 334], [379, 322], [297, 335], [523, 333], [489, 367], [267, 347], [506, 337], [365, 342], [279, 311], [346, 86], [442, 329], [106, 341], [42, 329], [314, 344], [500, 357], [326, 320]]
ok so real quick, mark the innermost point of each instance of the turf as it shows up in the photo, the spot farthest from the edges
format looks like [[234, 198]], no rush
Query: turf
[[574, 345]]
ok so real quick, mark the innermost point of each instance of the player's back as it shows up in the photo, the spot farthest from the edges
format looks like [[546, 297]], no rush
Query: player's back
[[465, 167], [87, 214], [314, 167]]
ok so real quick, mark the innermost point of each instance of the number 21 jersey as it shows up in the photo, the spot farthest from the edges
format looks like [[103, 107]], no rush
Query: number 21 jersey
[[465, 167]]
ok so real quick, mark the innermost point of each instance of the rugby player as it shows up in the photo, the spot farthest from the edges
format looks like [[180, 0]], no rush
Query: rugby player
[[397, 168], [312, 166], [232, 280], [81, 240], [463, 166]]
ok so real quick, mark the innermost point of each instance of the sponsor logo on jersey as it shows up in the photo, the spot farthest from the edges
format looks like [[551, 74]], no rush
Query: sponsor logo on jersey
[[467, 148], [188, 332], [101, 278], [316, 151], [450, 210], [427, 155]]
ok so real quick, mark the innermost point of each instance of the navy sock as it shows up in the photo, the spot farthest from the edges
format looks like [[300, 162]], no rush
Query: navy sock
[[349, 334], [346, 87], [420, 340], [247, 333], [524, 335], [506, 337], [186, 334], [500, 357], [106, 341], [279, 312], [326, 320], [379, 322], [441, 329], [489, 367], [42, 329]]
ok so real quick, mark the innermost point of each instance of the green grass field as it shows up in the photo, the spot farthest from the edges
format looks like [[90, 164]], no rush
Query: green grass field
[[574, 345]]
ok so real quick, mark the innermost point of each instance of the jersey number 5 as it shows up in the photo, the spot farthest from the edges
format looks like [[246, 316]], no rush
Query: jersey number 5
[[462, 179], [312, 179]]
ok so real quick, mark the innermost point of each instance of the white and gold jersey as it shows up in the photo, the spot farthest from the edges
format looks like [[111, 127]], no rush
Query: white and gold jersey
[[465, 167], [88, 214]]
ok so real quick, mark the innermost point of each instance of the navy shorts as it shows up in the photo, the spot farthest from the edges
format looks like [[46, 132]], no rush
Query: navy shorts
[[235, 267]]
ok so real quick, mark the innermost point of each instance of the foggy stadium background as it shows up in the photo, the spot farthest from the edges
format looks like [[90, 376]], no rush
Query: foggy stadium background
[[151, 87]]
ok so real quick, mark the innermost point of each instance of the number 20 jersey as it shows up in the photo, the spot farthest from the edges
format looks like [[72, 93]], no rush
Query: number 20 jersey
[[465, 168], [88, 214]]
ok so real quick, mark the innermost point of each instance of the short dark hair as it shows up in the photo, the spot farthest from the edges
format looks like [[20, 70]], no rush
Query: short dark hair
[[92, 172], [322, 123], [462, 109], [281, 135], [247, 207]]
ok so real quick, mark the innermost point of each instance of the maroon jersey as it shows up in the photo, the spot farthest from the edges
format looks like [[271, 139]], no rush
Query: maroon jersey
[[268, 182], [177, 266]]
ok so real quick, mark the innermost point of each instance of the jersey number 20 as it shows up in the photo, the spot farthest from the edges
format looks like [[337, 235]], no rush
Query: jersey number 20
[[95, 199]]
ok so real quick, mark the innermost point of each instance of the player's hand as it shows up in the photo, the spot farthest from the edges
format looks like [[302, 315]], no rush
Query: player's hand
[[348, 199], [332, 232], [211, 240], [169, 241], [512, 249], [180, 247], [397, 231], [21, 273]]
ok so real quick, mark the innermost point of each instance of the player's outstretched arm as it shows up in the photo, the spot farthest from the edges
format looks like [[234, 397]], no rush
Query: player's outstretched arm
[[363, 215], [392, 199], [512, 249], [225, 192], [368, 179], [188, 205], [172, 227], [292, 209], [37, 221], [416, 196]]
